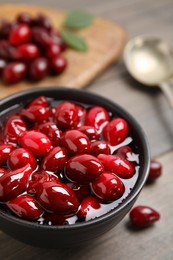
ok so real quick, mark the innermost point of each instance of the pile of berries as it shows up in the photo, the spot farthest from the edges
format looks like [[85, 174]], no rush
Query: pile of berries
[[64, 161], [30, 48]]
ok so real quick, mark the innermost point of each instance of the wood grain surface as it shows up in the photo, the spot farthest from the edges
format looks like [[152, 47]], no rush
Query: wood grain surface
[[153, 17], [105, 41]]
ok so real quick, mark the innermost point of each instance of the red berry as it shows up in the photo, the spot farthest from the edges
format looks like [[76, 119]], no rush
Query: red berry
[[45, 127], [40, 101], [116, 131], [5, 49], [41, 37], [66, 115], [14, 72], [88, 206], [43, 21], [3, 65], [83, 168], [99, 147], [21, 157], [14, 128], [97, 117], [54, 219], [55, 160], [5, 29], [24, 18], [37, 142], [35, 114], [58, 64], [108, 187], [20, 34], [142, 216], [57, 198], [58, 40], [39, 69], [90, 131], [53, 50], [81, 191], [81, 115], [14, 183], [38, 178], [120, 166], [51, 130], [155, 170], [127, 153], [25, 207], [27, 51], [3, 171], [5, 150], [75, 142]]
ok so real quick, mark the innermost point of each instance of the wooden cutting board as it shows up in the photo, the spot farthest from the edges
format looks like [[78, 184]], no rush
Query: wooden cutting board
[[105, 39]]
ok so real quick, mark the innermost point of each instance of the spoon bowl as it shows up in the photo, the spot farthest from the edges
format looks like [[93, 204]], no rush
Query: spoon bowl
[[150, 61]]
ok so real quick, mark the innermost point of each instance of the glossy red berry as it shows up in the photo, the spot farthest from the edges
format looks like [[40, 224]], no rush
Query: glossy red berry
[[120, 166], [57, 198], [43, 21], [53, 50], [51, 130], [5, 50], [45, 127], [25, 207], [97, 117], [55, 160], [27, 52], [116, 131], [90, 131], [14, 72], [14, 183], [41, 37], [37, 142], [127, 153], [99, 147], [39, 69], [55, 219], [3, 171], [83, 168], [40, 101], [21, 157], [66, 115], [38, 178], [108, 187], [24, 18], [88, 206], [81, 191], [75, 142], [58, 64], [142, 216], [20, 34], [35, 114], [14, 128], [58, 40], [5, 150], [155, 170]]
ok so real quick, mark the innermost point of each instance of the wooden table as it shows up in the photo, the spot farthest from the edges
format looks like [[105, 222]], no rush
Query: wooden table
[[150, 108]]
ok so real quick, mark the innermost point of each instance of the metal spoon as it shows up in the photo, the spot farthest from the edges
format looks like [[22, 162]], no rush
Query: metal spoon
[[150, 61]]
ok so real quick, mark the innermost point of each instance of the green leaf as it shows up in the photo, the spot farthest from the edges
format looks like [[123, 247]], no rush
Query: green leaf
[[78, 19], [74, 41]]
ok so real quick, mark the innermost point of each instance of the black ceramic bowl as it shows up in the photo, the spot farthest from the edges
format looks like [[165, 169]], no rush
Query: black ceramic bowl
[[79, 233]]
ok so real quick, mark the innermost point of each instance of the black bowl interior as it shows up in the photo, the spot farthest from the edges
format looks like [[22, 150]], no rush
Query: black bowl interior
[[38, 235]]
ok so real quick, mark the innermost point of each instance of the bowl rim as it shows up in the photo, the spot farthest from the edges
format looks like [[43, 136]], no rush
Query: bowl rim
[[133, 194]]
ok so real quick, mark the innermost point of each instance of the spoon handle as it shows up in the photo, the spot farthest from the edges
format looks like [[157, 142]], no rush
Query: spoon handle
[[168, 91]]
